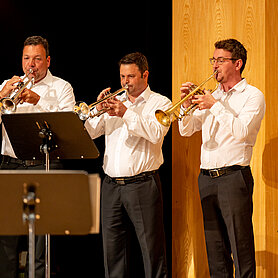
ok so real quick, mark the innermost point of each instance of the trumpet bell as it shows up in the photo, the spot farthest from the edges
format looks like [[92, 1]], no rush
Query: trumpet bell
[[166, 117], [172, 114], [163, 118], [7, 105], [82, 110]]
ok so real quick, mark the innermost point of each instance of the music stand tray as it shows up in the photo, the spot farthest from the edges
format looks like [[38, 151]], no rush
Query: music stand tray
[[56, 202], [68, 201]]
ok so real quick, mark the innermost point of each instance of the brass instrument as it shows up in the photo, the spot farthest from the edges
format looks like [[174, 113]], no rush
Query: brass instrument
[[85, 111], [9, 104], [172, 114]]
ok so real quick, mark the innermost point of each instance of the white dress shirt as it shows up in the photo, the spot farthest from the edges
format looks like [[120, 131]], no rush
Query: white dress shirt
[[55, 94], [132, 143], [229, 127]]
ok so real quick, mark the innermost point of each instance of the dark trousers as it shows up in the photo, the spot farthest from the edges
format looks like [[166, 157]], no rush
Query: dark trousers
[[9, 256], [9, 244], [227, 211], [141, 202]]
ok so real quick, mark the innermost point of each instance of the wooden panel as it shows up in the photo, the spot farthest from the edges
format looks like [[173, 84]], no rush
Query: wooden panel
[[269, 256], [196, 26]]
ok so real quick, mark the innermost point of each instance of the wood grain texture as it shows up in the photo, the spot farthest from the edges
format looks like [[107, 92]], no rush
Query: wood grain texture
[[269, 256], [196, 26]]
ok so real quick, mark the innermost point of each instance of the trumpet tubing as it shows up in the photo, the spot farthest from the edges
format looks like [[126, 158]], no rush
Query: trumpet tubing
[[172, 114], [85, 111], [9, 104]]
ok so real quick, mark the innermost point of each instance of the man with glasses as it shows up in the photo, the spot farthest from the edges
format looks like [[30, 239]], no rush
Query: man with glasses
[[230, 119]]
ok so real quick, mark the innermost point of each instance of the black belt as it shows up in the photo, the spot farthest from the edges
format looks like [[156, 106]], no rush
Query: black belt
[[34, 162], [125, 180], [218, 172]]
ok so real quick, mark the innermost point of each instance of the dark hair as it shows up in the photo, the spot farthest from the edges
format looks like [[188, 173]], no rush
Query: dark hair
[[236, 48], [136, 58], [36, 40]]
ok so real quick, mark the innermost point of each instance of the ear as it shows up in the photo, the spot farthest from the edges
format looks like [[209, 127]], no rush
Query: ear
[[238, 64], [146, 74], [48, 61]]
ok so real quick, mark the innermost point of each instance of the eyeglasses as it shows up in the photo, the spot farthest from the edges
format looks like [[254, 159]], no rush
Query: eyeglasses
[[220, 60]]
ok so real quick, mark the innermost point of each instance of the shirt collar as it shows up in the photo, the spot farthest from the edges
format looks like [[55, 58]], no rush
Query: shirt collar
[[238, 88], [146, 93], [47, 80], [144, 96]]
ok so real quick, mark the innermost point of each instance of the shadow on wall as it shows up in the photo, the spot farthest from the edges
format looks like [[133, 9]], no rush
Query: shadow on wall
[[270, 163], [266, 260]]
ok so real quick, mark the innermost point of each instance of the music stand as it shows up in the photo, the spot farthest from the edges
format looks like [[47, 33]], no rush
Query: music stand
[[57, 202], [70, 140], [49, 135]]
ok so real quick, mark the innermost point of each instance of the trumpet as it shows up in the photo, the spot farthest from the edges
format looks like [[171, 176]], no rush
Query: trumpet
[[173, 113], [85, 111], [9, 104]]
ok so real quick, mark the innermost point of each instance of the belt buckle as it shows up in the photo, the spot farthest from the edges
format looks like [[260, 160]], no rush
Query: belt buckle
[[28, 163], [120, 181], [214, 173]]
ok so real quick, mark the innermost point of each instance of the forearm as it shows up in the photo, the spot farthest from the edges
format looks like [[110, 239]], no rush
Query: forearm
[[145, 126], [190, 123], [95, 126]]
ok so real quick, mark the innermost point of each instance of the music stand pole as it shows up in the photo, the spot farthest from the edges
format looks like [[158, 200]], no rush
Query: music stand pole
[[29, 201], [46, 135], [31, 238], [47, 236]]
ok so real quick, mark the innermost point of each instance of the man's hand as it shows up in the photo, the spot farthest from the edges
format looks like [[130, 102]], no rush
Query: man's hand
[[29, 96], [10, 86], [205, 101], [115, 107], [185, 89], [102, 95]]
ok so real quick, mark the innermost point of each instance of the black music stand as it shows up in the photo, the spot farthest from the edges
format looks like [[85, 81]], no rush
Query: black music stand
[[56, 202], [28, 132], [49, 135]]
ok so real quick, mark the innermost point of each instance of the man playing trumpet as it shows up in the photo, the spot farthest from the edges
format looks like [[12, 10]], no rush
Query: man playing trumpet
[[230, 119], [48, 94], [131, 191]]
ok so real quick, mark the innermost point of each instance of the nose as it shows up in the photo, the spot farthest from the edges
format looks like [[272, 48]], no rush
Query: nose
[[125, 81], [32, 63], [215, 66]]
